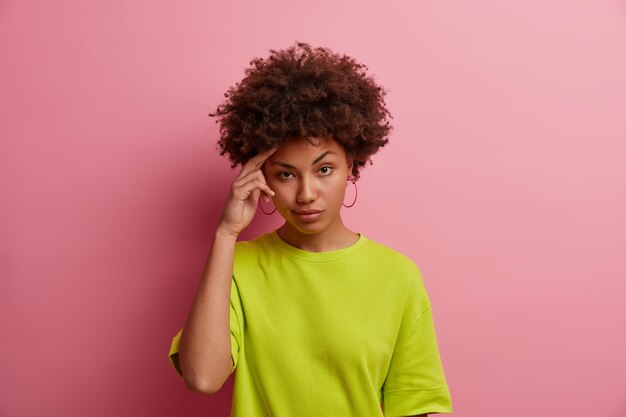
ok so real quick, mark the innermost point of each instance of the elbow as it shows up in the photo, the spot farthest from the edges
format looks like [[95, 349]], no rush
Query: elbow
[[202, 386], [203, 381], [199, 383]]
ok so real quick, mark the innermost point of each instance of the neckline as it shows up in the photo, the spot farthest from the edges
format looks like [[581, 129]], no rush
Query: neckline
[[309, 256]]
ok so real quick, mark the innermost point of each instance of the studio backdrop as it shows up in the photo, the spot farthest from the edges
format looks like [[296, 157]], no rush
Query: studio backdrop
[[504, 180]]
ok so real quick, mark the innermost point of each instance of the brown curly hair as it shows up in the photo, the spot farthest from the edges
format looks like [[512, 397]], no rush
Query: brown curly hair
[[304, 92]]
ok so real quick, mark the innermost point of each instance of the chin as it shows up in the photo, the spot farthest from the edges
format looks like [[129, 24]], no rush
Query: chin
[[311, 228], [307, 227]]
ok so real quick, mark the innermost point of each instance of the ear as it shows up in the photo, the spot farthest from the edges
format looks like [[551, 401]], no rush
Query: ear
[[350, 160]]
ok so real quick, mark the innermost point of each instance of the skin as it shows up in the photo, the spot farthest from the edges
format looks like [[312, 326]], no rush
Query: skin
[[309, 184]]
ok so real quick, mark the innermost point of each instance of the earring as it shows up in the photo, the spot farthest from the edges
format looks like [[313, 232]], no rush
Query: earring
[[351, 178], [261, 206]]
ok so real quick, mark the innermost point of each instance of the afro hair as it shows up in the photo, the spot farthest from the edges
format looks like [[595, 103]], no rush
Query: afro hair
[[304, 92]]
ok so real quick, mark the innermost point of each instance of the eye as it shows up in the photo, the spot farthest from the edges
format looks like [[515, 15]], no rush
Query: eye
[[280, 174], [329, 169]]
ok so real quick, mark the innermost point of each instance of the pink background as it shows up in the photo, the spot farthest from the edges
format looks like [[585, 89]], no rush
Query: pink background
[[504, 180]]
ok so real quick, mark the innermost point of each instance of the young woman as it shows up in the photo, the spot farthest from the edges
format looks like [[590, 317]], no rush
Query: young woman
[[316, 319]]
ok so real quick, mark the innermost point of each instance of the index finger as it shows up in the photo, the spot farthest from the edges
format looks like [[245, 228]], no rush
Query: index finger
[[257, 160]]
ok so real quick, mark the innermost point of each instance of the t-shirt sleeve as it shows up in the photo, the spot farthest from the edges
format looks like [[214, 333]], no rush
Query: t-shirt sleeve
[[415, 382], [236, 333]]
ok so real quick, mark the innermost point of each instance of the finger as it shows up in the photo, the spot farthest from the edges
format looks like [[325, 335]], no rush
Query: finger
[[255, 194], [257, 160], [257, 173], [268, 192], [243, 191]]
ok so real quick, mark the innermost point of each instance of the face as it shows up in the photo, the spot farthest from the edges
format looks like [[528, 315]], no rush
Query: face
[[307, 177]]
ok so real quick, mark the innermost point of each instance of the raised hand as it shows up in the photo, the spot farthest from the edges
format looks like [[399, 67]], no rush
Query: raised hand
[[244, 194]]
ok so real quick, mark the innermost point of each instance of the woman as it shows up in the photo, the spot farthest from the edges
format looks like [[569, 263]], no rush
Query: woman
[[316, 319]]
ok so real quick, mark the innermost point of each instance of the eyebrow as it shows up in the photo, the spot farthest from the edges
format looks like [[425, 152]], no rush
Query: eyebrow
[[319, 158]]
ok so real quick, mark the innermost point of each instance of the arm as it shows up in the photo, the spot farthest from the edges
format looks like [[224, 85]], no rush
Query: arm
[[204, 355], [204, 349]]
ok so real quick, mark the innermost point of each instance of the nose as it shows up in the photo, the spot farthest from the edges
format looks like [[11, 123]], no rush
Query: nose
[[306, 191]]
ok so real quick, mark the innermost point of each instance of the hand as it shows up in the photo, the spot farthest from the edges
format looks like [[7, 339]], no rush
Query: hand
[[244, 194]]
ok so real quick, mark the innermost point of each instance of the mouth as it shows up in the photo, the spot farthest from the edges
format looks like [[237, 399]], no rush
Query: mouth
[[308, 215], [308, 212]]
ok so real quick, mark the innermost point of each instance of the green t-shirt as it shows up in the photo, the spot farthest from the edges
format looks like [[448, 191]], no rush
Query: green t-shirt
[[336, 333]]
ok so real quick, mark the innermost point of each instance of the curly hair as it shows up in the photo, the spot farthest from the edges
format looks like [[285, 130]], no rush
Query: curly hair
[[304, 92]]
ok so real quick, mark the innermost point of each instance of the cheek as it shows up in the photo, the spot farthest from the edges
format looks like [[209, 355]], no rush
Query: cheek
[[334, 194], [339, 186], [275, 184]]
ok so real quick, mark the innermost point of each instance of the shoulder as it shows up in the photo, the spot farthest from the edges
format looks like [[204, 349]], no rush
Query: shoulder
[[395, 262], [389, 256], [246, 247], [401, 272], [247, 251], [409, 277]]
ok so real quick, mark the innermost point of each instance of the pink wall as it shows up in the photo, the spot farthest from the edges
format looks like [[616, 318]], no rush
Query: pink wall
[[504, 180]]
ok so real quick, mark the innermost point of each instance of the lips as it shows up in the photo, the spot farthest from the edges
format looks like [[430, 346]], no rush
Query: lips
[[308, 216], [308, 212]]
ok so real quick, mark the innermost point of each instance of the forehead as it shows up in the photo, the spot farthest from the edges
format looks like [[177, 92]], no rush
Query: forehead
[[302, 149]]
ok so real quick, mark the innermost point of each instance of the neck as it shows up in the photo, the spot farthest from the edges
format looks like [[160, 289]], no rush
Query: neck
[[337, 236]]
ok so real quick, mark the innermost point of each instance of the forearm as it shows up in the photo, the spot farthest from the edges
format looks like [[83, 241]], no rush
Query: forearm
[[204, 354]]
